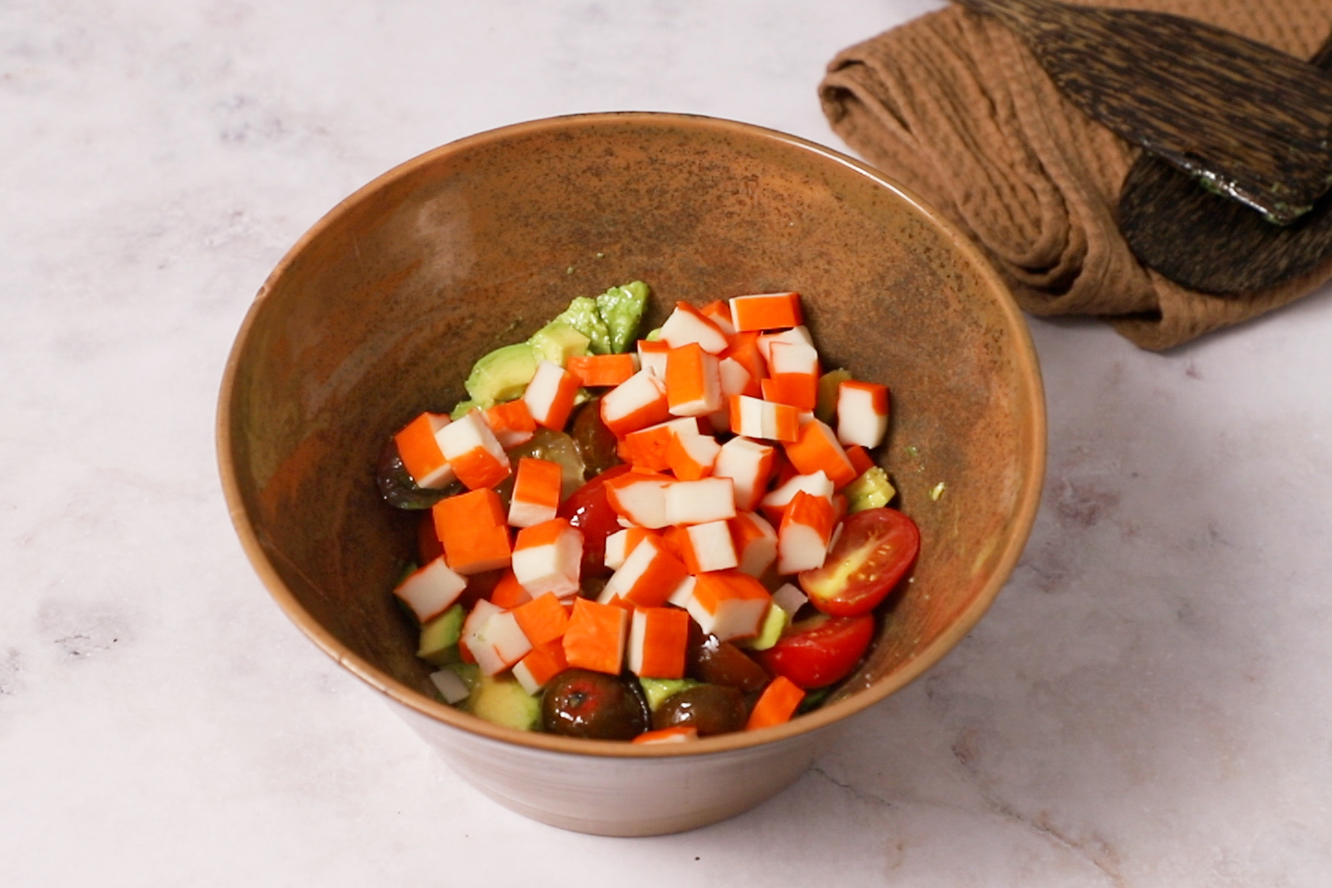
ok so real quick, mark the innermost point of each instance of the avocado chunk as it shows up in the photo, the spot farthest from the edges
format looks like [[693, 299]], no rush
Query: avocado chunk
[[462, 408], [557, 342], [583, 316], [827, 397], [501, 700], [439, 637], [872, 490], [659, 690], [621, 308], [501, 375], [769, 632]]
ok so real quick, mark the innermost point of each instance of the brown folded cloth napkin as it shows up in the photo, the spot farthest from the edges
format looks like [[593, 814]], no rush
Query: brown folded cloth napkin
[[954, 106]]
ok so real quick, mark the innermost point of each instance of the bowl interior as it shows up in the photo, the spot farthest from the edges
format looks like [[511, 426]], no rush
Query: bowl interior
[[380, 310]]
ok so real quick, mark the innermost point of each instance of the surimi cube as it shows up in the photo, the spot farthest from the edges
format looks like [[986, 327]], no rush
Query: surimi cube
[[474, 452], [795, 335], [647, 448], [420, 454], [451, 686], [776, 704], [683, 592], [693, 384], [596, 371], [431, 590], [705, 547], [652, 357], [719, 312], [691, 457], [775, 503], [701, 501], [796, 357], [817, 450], [744, 351], [687, 324], [474, 643], [543, 663], [754, 418], [766, 311], [729, 604], [789, 598], [550, 395], [802, 538], [657, 640], [860, 459], [648, 576], [536, 492], [621, 543], [472, 528], [754, 541], [505, 640], [749, 465], [674, 734], [547, 558], [511, 422], [640, 497], [636, 403], [542, 619], [595, 637], [862, 413], [508, 592]]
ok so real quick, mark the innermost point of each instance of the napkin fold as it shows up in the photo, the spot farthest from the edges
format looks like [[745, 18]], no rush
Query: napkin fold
[[955, 107]]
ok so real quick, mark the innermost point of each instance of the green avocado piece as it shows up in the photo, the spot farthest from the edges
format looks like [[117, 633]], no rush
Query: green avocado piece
[[827, 398], [583, 316], [557, 342], [659, 690], [439, 637], [462, 408], [501, 375], [770, 631], [871, 490], [621, 308], [501, 700]]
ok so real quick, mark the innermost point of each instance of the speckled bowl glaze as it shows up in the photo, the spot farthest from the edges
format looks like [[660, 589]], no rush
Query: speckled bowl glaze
[[380, 309]]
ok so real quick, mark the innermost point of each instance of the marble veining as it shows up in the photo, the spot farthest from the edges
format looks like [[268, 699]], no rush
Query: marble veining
[[1148, 702]]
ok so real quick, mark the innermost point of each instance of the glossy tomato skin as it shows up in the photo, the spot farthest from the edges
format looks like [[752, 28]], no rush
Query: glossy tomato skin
[[588, 509], [874, 551], [820, 650]]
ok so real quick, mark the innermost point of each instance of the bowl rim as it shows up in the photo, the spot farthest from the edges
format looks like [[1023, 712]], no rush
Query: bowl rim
[[1027, 502]]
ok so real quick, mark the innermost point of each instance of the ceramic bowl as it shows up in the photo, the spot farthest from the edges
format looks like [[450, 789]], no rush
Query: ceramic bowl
[[379, 310]]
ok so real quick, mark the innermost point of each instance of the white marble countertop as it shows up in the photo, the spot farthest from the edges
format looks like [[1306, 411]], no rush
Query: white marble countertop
[[1149, 703]]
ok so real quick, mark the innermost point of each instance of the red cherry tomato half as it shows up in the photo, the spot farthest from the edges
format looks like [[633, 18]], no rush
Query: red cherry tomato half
[[876, 547], [820, 650], [588, 510]]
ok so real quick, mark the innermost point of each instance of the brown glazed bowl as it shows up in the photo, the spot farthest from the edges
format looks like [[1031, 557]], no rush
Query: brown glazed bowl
[[378, 312]]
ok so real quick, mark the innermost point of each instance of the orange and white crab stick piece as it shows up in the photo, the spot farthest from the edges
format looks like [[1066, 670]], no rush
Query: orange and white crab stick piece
[[550, 395], [647, 448], [735, 380], [755, 418], [673, 734], [749, 465], [687, 324], [420, 452], [640, 497], [636, 403], [543, 662], [511, 422], [691, 457], [860, 459], [598, 371], [774, 503], [547, 558], [596, 636], [793, 375], [658, 637], [474, 452], [693, 384], [536, 492], [492, 636], [802, 538], [776, 704], [796, 335], [766, 311], [744, 350], [754, 541], [431, 590], [719, 312], [621, 543], [473, 531], [789, 598], [705, 547], [817, 450], [648, 576], [508, 592], [472, 644], [729, 604], [543, 619], [652, 357], [862, 413], [701, 501]]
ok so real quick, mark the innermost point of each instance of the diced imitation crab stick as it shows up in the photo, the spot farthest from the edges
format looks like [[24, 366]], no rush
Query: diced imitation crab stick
[[816, 449], [804, 534], [595, 637], [754, 541], [420, 454], [542, 619], [474, 452], [755, 418], [511, 422], [640, 497], [636, 403], [766, 311], [493, 638], [674, 734], [473, 530], [658, 637], [652, 357], [693, 383], [648, 448], [728, 604], [691, 457], [547, 558], [598, 371], [775, 502], [796, 335], [701, 501], [543, 662], [862, 413], [621, 543], [431, 590], [536, 492], [705, 547], [687, 324], [508, 592], [648, 576], [776, 704], [749, 465], [550, 395]]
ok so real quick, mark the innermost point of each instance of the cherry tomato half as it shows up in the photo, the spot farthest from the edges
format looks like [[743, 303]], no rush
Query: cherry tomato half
[[876, 547], [588, 510], [820, 650]]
